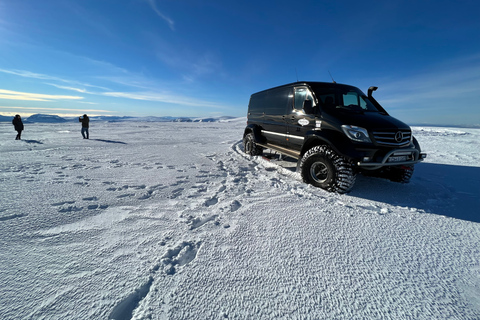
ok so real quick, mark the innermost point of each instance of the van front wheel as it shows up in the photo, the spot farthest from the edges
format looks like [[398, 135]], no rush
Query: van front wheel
[[323, 168]]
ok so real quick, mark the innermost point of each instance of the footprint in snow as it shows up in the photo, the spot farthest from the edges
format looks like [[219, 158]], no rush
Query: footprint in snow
[[235, 205], [181, 255], [90, 198], [176, 193], [198, 222], [13, 216], [126, 195], [211, 202], [96, 206], [62, 203], [70, 209]]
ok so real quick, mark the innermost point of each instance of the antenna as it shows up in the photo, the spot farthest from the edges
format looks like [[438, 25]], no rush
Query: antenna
[[296, 73], [331, 76]]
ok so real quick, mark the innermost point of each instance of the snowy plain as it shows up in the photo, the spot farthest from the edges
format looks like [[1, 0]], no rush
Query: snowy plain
[[173, 221]]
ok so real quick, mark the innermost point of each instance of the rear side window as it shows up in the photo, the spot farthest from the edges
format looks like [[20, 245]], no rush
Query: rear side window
[[257, 103], [277, 101]]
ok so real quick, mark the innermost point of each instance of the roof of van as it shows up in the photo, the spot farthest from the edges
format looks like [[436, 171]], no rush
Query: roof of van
[[310, 83]]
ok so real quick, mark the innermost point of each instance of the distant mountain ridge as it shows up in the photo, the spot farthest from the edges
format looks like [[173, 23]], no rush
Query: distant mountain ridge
[[46, 118]]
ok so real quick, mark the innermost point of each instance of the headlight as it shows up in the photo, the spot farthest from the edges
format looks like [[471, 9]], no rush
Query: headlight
[[356, 133]]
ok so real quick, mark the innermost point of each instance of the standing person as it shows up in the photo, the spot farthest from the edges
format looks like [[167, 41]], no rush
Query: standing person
[[18, 124], [85, 124]]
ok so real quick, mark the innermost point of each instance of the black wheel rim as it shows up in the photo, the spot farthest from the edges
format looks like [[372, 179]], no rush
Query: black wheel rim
[[319, 172]]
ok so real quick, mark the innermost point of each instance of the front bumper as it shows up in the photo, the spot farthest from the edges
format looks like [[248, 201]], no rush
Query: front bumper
[[411, 156]]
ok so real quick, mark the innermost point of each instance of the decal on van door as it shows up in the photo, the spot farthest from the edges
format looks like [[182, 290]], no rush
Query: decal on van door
[[303, 122]]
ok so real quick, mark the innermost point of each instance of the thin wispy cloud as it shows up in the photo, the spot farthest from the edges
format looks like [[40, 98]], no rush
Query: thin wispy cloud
[[169, 21], [57, 109], [131, 81], [87, 102], [68, 88], [28, 74], [27, 96], [40, 76], [165, 98], [122, 77]]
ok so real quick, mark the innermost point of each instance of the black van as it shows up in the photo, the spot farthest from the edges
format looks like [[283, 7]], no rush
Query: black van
[[335, 131]]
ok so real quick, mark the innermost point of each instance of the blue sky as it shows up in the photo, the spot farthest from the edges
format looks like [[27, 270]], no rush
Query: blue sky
[[205, 58]]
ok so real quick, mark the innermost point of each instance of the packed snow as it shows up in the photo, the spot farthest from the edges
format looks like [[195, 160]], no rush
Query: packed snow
[[153, 220]]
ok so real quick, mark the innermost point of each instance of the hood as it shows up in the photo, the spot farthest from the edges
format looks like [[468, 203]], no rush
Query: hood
[[371, 120]]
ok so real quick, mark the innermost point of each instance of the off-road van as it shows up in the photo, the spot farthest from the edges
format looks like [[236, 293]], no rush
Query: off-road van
[[334, 130]]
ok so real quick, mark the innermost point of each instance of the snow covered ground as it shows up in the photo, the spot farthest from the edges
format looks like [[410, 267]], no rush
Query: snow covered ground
[[173, 221]]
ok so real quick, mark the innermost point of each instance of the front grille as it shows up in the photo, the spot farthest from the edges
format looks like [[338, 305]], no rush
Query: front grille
[[391, 138]]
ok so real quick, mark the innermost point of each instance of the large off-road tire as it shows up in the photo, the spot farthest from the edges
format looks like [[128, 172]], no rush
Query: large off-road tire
[[400, 174], [323, 168], [250, 147]]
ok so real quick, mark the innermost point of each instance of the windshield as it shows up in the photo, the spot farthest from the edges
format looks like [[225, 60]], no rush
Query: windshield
[[342, 98]]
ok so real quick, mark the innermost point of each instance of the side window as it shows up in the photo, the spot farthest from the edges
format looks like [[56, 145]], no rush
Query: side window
[[302, 94], [363, 104], [367, 104], [276, 103], [327, 96], [257, 103]]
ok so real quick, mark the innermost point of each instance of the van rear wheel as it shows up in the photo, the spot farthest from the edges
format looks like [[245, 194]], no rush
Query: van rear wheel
[[250, 147], [323, 168]]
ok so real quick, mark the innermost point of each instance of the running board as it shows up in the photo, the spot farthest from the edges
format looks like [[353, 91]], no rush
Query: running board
[[285, 151]]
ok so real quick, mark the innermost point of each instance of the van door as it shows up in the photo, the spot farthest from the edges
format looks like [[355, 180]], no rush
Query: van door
[[274, 124], [300, 121]]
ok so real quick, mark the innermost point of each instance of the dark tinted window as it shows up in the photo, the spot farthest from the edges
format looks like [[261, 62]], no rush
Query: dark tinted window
[[277, 101], [257, 103]]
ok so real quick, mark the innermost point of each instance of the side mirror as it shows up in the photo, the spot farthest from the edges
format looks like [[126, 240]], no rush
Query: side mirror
[[308, 106]]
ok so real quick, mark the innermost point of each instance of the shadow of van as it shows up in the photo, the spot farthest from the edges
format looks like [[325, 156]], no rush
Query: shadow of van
[[448, 190]]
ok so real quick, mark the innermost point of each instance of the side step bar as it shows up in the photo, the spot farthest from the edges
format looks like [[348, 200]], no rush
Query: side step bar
[[285, 151]]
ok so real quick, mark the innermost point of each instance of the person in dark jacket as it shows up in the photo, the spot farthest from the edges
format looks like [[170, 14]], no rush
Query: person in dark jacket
[[18, 124], [85, 124]]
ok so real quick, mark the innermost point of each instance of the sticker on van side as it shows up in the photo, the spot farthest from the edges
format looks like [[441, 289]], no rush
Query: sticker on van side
[[303, 122]]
